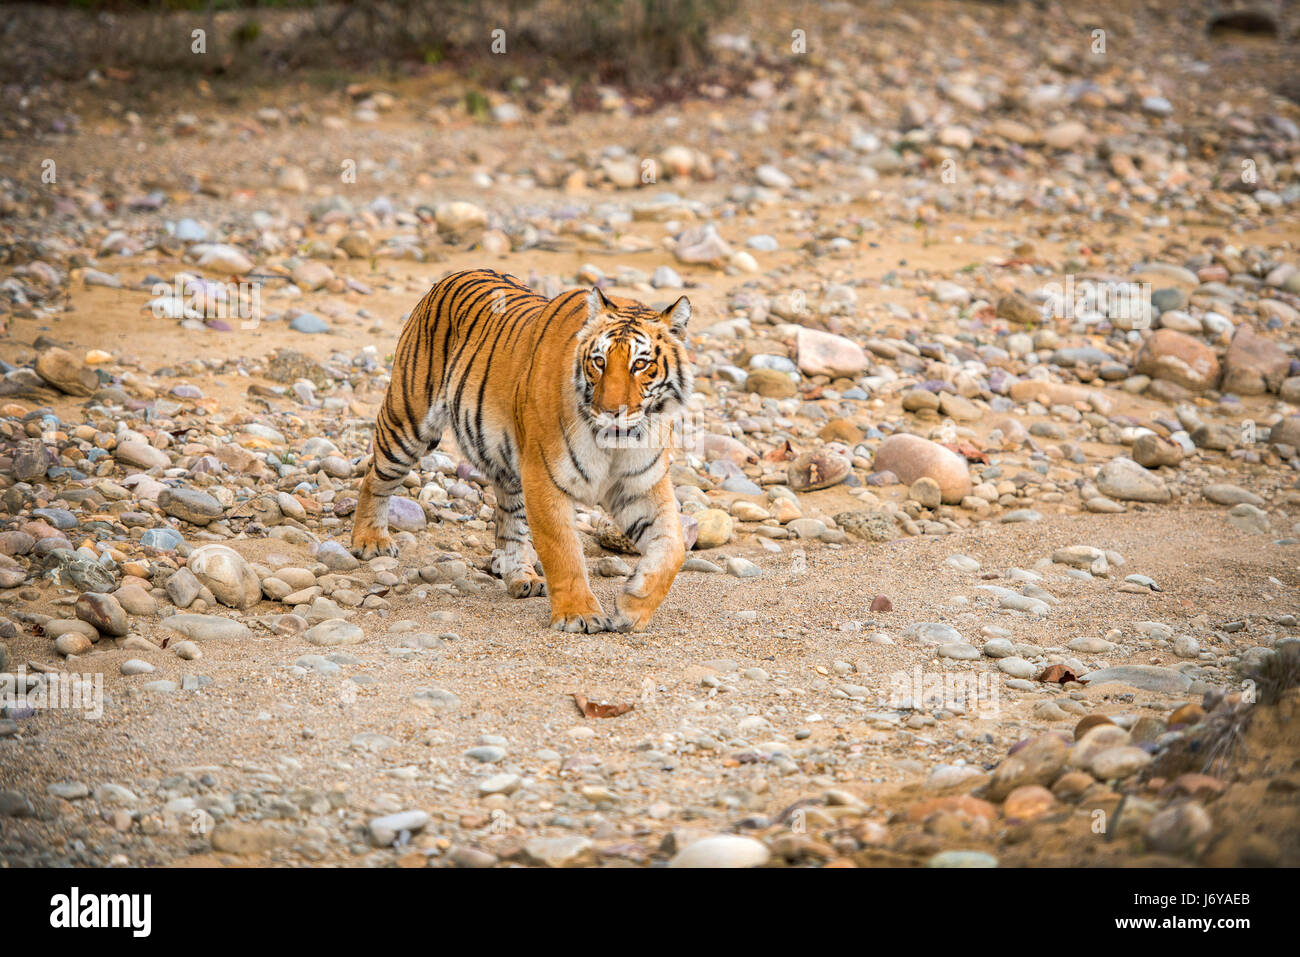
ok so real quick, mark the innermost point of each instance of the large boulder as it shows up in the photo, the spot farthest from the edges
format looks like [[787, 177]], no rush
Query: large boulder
[[816, 470], [911, 457], [771, 384], [1286, 432], [1125, 481], [1254, 365], [61, 369], [223, 570], [1177, 357], [824, 353]]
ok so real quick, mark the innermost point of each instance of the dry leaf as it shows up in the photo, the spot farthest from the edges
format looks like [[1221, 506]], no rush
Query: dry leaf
[[592, 709], [1059, 675], [782, 453], [966, 451]]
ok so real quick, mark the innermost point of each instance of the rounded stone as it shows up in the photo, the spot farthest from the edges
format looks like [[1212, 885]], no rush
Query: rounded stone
[[817, 470], [925, 491], [722, 851], [224, 572], [190, 505], [1152, 451], [911, 457], [72, 644], [715, 528], [103, 612], [334, 631]]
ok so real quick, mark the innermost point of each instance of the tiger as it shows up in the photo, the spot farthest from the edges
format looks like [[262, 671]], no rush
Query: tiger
[[556, 401]]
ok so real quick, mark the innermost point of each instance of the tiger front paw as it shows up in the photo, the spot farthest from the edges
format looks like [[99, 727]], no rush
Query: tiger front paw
[[633, 613], [589, 620], [369, 543]]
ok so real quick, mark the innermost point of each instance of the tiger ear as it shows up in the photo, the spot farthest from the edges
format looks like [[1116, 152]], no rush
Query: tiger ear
[[598, 302], [677, 316]]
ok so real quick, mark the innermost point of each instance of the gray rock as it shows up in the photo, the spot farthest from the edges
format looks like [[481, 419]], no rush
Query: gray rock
[[568, 851], [1248, 518], [68, 790], [1224, 494], [207, 627], [999, 648], [406, 515], [486, 754], [722, 851], [743, 568], [15, 804], [1016, 667], [934, 633], [1145, 677], [336, 558], [334, 631], [103, 612], [309, 323], [182, 588], [1124, 480], [435, 699], [962, 859], [224, 572], [384, 831], [190, 505]]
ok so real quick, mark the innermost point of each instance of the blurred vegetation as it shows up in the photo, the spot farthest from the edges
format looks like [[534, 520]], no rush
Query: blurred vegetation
[[633, 41]]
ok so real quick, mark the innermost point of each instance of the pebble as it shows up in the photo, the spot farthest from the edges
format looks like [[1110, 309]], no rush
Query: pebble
[[334, 631], [722, 851], [225, 573], [1016, 667], [1125, 480], [207, 628]]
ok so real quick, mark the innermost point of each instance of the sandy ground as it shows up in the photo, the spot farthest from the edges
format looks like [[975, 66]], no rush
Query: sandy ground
[[257, 729]]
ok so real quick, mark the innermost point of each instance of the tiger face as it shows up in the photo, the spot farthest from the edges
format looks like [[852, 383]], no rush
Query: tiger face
[[630, 368]]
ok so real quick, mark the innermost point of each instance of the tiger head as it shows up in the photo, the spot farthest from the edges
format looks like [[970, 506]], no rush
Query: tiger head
[[630, 368]]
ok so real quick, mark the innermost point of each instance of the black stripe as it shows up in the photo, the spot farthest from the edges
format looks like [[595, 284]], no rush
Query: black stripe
[[554, 481]]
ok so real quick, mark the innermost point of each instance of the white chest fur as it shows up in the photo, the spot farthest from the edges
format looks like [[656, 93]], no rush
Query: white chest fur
[[594, 468]]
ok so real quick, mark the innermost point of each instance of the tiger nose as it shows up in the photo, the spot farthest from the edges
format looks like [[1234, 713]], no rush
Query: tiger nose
[[610, 398], [621, 410]]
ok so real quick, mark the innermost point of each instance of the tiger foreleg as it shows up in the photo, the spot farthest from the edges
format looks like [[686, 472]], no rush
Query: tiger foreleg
[[555, 536], [653, 523], [514, 558]]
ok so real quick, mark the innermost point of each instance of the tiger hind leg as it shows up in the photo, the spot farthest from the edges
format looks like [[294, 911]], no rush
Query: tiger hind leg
[[514, 559], [398, 447]]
